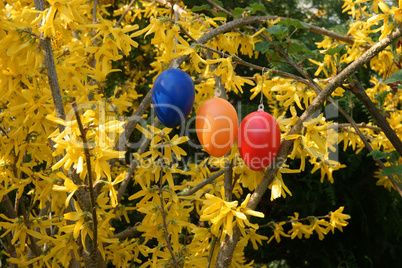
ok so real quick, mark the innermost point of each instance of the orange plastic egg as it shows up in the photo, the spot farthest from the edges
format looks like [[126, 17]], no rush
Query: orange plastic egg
[[216, 125]]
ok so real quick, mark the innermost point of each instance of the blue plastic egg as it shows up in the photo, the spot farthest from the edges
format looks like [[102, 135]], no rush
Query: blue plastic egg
[[173, 97]]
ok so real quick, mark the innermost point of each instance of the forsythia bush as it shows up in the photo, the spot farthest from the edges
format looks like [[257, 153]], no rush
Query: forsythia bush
[[68, 129]]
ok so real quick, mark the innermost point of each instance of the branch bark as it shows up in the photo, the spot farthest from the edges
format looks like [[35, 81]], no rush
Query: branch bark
[[133, 166], [203, 183], [93, 260], [51, 69], [357, 89]]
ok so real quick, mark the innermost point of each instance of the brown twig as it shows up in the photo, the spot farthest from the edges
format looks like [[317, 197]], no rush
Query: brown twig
[[228, 180], [133, 166], [245, 63], [127, 233], [10, 213], [203, 183], [169, 4], [162, 208], [94, 252], [51, 69], [126, 10], [360, 125], [357, 89], [211, 251], [309, 218], [220, 8], [132, 123]]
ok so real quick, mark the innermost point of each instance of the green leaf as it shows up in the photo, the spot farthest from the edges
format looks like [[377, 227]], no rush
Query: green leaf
[[294, 48], [237, 12], [394, 78], [200, 8], [394, 170], [219, 14], [278, 31], [393, 156], [257, 7], [296, 23], [262, 47], [381, 96], [336, 50], [378, 154], [340, 29]]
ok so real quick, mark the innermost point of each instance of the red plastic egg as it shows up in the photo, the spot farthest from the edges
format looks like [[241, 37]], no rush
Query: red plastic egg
[[259, 139], [217, 125]]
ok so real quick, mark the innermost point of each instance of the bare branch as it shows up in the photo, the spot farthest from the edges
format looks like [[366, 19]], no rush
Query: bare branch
[[133, 166], [203, 183], [127, 233], [357, 89], [126, 10], [162, 208], [94, 251], [169, 4], [51, 70], [132, 123], [220, 8], [360, 125]]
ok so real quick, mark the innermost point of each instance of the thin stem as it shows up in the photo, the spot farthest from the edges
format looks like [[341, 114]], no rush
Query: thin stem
[[10, 213], [33, 243], [246, 63], [211, 252], [163, 212], [127, 233], [132, 123], [228, 179], [133, 166], [309, 27], [126, 10], [168, 4], [94, 254], [357, 89], [360, 125], [220, 8], [271, 223], [203, 183], [360, 93]]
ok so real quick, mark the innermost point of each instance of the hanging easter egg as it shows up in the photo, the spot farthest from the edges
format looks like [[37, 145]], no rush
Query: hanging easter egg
[[259, 139], [173, 97], [216, 125]]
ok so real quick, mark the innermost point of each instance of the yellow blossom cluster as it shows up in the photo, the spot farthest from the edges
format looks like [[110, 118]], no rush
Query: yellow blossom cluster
[[319, 225]]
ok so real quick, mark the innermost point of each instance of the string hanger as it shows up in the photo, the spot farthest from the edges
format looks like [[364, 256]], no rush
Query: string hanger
[[217, 92], [261, 105]]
